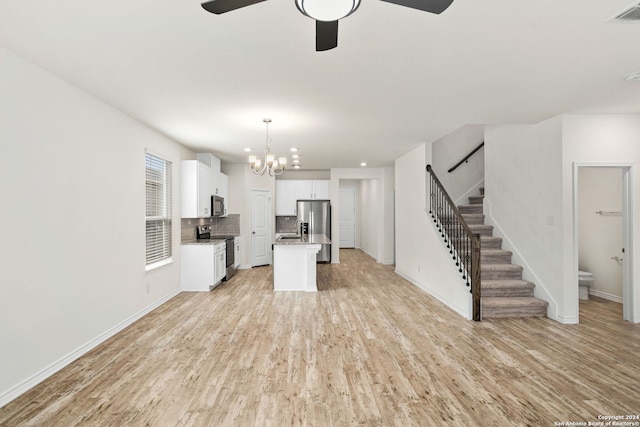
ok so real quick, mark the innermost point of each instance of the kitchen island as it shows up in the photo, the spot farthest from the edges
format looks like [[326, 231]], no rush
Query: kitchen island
[[294, 262]]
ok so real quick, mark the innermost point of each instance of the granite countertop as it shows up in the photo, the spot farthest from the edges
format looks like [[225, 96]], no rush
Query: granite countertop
[[311, 239], [213, 241]]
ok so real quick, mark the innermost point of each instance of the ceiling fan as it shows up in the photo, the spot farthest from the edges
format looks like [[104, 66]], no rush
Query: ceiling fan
[[327, 13]]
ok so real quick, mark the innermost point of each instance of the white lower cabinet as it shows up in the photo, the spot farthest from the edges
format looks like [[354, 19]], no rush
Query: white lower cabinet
[[221, 261], [202, 266]]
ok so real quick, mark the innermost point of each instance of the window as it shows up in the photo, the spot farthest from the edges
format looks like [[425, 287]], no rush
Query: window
[[158, 215]]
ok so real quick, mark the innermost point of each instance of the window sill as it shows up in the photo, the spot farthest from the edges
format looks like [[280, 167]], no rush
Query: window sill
[[158, 264]]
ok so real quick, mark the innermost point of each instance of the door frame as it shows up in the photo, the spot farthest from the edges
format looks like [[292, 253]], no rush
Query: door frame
[[628, 272], [353, 190], [253, 192]]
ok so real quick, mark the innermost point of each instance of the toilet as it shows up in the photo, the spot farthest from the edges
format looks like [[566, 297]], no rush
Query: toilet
[[585, 280]]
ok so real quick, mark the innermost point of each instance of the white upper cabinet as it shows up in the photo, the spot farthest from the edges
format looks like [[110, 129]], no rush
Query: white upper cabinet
[[218, 182], [285, 198], [210, 160], [316, 189], [289, 191], [321, 189], [196, 190]]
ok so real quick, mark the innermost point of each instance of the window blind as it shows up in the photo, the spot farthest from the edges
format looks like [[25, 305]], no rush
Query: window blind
[[158, 209]]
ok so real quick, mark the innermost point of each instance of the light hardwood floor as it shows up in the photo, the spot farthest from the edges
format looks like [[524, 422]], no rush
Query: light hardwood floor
[[367, 349]]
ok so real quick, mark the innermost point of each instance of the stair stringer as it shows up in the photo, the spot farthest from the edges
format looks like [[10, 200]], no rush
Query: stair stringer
[[528, 273]]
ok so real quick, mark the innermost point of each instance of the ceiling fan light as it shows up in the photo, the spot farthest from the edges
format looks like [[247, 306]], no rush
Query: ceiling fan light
[[327, 10]]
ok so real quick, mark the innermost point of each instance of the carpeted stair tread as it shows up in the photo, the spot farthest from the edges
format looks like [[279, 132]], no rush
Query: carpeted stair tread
[[473, 218], [475, 200], [500, 271], [495, 256], [470, 209], [507, 288], [490, 242], [483, 230], [495, 307]]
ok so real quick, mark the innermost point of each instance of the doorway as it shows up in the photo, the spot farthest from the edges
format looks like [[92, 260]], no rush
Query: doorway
[[260, 227], [347, 217], [603, 229]]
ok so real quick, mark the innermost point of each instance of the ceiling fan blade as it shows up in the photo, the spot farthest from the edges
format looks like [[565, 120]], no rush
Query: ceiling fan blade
[[433, 6], [326, 35], [222, 6]]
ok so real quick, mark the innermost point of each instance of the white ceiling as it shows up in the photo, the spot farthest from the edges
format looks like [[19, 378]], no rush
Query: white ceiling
[[399, 77]]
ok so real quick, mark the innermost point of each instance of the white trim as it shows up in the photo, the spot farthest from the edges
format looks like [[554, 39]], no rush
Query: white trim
[[162, 263], [38, 377], [605, 295]]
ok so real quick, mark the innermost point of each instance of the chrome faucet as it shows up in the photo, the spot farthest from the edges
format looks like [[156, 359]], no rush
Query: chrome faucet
[[297, 226]]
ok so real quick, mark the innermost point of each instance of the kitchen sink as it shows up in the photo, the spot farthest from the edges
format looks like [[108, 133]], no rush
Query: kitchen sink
[[290, 238]]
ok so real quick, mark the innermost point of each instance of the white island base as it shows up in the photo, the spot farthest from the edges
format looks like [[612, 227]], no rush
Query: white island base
[[294, 267]]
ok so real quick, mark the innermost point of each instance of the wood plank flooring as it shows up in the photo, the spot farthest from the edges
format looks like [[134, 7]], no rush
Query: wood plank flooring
[[368, 349]]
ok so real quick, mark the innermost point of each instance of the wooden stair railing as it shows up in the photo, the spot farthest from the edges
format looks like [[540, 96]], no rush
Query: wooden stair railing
[[463, 244]]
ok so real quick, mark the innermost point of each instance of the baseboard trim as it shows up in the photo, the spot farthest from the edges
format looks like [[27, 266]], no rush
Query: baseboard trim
[[605, 295], [21, 388]]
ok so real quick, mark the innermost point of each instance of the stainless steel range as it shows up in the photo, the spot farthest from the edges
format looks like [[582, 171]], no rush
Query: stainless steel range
[[203, 232]]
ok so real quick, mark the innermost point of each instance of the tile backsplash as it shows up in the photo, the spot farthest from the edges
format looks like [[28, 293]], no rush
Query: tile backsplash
[[229, 225], [286, 224]]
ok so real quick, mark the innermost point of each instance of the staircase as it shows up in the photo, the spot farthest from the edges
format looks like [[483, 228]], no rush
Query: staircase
[[504, 293]]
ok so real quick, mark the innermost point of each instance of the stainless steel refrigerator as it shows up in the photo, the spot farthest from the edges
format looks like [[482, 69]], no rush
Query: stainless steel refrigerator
[[317, 213]]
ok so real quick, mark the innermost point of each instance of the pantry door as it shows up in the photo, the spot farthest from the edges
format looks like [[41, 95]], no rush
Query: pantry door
[[260, 227]]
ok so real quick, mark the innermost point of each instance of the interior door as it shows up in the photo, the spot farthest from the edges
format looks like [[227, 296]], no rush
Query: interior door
[[260, 227], [347, 217]]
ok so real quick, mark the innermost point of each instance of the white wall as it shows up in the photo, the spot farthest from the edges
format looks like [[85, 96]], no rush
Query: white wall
[[449, 150], [302, 174], [421, 256], [368, 217], [601, 140], [73, 235], [600, 236], [523, 202]]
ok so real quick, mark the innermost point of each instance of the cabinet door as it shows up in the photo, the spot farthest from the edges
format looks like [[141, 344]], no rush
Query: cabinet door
[[285, 198], [304, 190], [223, 190], [321, 189], [196, 190], [204, 190], [197, 269], [221, 264]]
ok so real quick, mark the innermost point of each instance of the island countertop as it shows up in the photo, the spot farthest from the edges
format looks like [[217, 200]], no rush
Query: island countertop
[[311, 239]]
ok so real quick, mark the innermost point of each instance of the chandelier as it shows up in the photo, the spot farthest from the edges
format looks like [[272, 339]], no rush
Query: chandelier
[[275, 167]]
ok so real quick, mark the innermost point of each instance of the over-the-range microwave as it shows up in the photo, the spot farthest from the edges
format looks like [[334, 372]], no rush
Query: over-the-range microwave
[[217, 206]]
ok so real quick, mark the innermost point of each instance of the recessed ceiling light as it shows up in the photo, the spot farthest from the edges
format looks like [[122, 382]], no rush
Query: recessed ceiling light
[[296, 161], [363, 164], [247, 150], [296, 166], [294, 149], [634, 77], [295, 156]]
